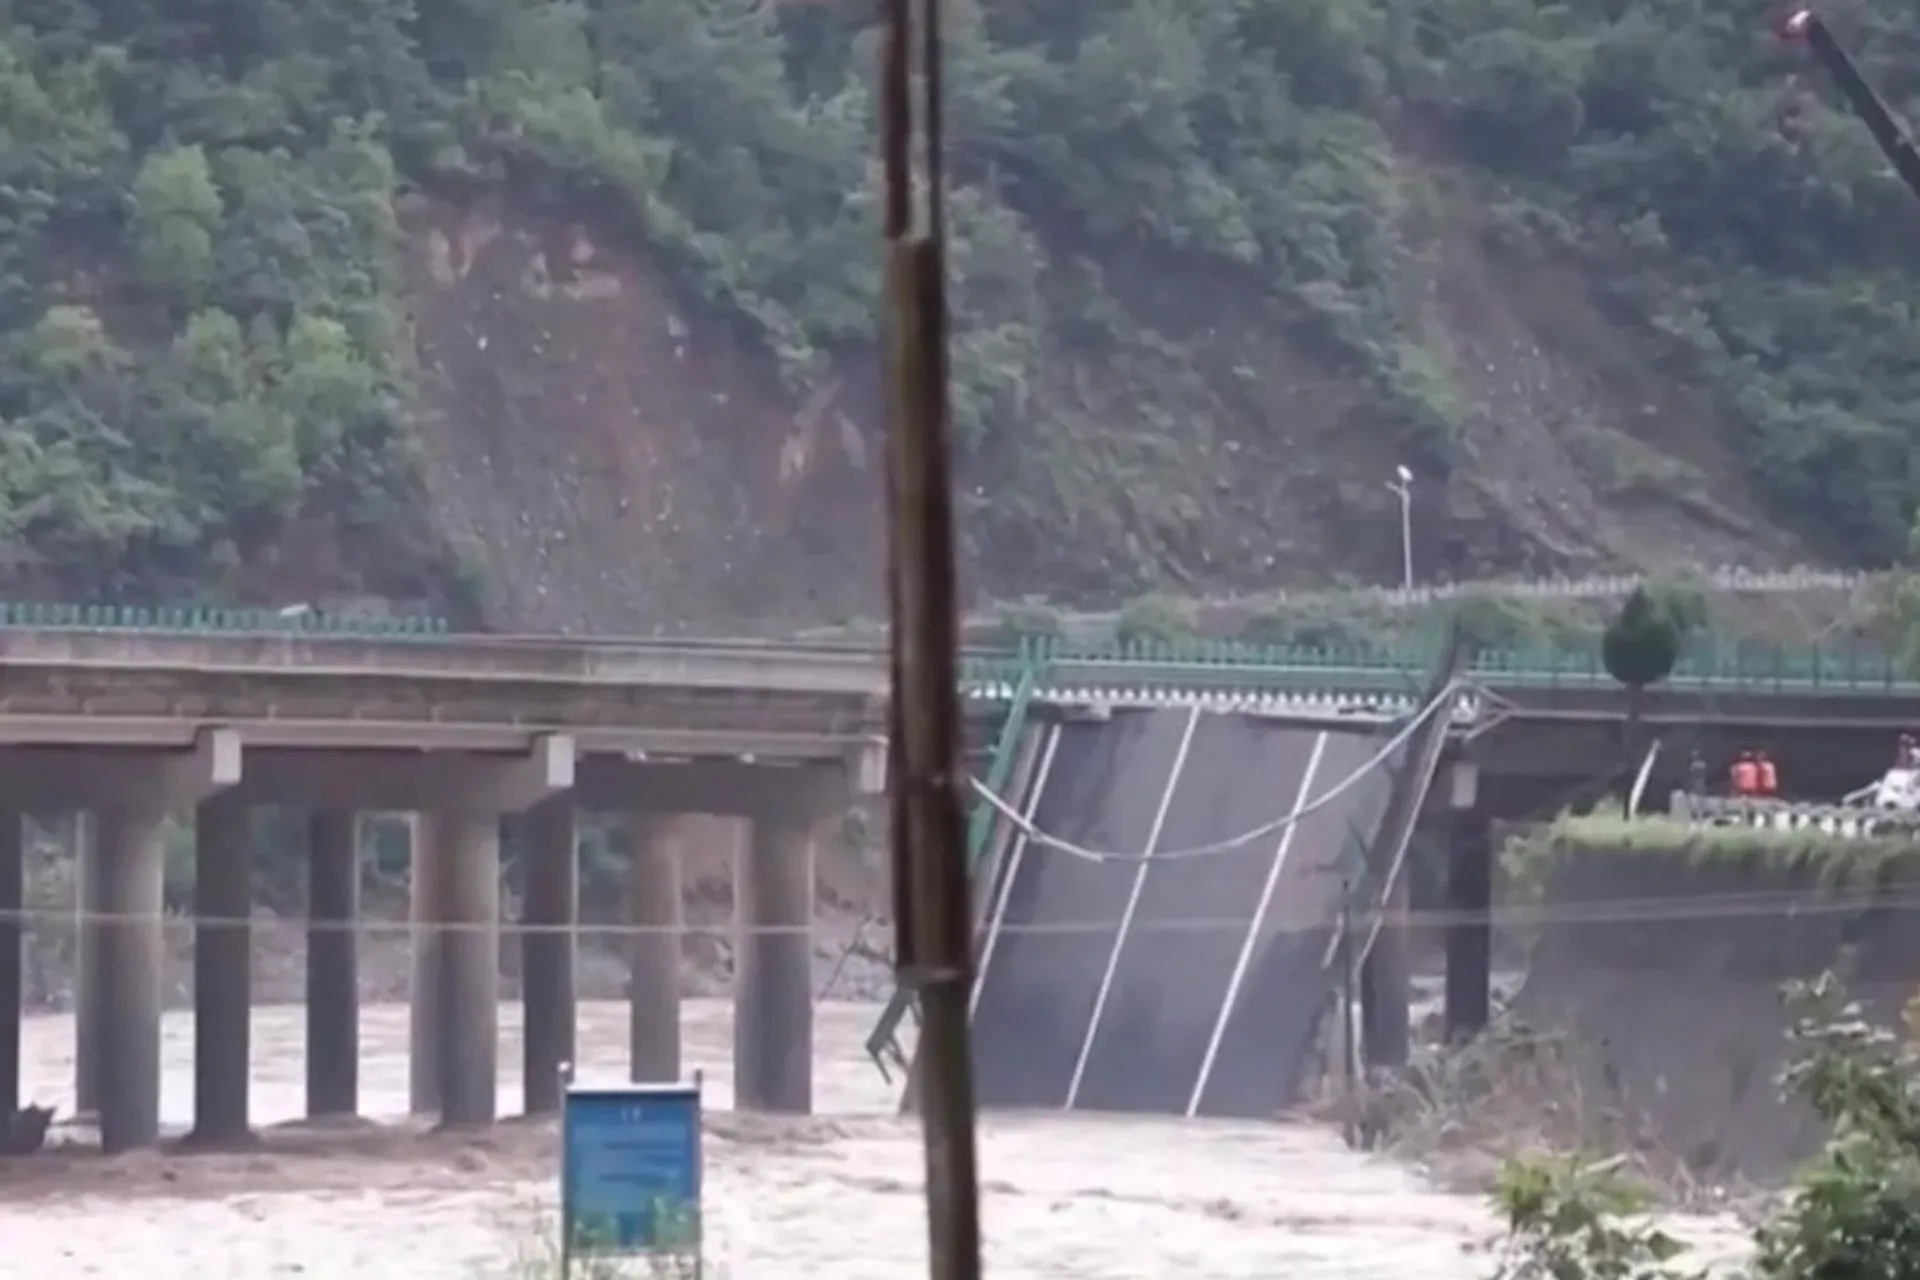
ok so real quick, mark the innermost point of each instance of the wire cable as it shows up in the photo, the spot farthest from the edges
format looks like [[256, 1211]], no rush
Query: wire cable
[[1783, 904], [1446, 701]]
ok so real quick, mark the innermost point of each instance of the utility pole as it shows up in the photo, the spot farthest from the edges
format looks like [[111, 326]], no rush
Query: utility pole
[[926, 769]]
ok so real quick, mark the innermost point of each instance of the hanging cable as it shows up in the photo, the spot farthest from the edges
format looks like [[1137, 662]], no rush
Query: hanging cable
[[1444, 704]]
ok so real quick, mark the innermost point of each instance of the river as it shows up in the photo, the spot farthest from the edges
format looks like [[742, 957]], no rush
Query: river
[[834, 1196]]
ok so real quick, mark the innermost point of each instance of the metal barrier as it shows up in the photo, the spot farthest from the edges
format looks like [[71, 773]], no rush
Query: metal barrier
[[198, 619], [1064, 670], [1844, 821]]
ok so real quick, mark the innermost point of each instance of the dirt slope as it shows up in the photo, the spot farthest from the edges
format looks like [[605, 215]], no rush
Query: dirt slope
[[611, 459]]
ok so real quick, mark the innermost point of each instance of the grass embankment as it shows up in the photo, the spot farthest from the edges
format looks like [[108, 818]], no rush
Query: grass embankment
[[1838, 861], [1648, 1026]]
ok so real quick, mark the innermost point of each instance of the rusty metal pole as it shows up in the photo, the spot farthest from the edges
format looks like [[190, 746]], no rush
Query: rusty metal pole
[[934, 945]]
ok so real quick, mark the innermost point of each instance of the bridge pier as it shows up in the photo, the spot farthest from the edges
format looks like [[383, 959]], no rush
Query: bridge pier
[[550, 903], [653, 948], [423, 1000], [12, 955], [1385, 1006], [88, 1009], [464, 848], [456, 965], [456, 925], [130, 869], [1469, 982], [773, 967], [333, 977], [222, 971]]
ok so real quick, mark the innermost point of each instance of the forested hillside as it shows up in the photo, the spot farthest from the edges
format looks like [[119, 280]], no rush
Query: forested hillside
[[1220, 264]]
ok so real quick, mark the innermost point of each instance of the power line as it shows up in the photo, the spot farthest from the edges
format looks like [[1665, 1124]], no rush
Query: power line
[[1710, 907], [1445, 701]]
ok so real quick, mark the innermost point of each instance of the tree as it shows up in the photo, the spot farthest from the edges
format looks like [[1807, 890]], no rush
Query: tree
[[176, 215], [1640, 647]]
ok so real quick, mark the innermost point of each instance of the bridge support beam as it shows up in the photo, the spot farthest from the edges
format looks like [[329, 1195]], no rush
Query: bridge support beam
[[12, 955], [87, 1004], [333, 974], [127, 881], [1469, 983], [773, 971], [653, 948], [1385, 997], [423, 1003], [456, 922], [550, 902], [222, 971], [463, 848]]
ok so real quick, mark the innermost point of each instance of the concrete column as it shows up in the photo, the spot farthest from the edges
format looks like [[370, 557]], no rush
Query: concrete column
[[130, 883], [423, 1021], [1469, 989], [13, 900], [333, 975], [222, 971], [1385, 996], [653, 950], [550, 901], [773, 969], [87, 1006], [466, 860]]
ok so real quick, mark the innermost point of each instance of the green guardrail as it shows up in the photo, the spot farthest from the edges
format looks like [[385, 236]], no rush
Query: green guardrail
[[883, 1042], [1710, 662], [1203, 664], [188, 619]]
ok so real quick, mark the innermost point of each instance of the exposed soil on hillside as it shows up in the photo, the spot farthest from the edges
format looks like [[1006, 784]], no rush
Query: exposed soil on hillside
[[610, 460]]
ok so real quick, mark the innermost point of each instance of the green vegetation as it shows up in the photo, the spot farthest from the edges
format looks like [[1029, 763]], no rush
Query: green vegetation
[[1853, 1210], [1836, 860], [1642, 643], [204, 305]]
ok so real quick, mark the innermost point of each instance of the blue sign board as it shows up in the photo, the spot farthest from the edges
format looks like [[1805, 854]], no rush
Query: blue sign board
[[630, 1170]]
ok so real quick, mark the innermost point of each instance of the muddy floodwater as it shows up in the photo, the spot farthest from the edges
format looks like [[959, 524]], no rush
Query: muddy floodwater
[[835, 1196]]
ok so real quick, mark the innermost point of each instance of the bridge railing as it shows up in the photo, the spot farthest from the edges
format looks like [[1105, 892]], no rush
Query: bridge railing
[[33, 615], [1060, 664], [1731, 668], [1841, 820]]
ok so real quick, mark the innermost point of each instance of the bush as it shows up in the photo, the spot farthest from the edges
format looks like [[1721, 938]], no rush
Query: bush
[[1853, 1212]]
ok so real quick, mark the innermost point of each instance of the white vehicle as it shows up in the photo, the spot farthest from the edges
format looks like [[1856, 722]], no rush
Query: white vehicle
[[1897, 790]]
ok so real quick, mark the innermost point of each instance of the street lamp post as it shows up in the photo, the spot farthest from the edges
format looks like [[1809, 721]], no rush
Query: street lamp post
[[1402, 487]]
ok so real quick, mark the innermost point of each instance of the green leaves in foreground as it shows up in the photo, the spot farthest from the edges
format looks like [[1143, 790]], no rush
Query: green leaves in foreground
[[1852, 1214]]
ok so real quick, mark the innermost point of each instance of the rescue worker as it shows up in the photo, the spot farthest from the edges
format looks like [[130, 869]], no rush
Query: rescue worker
[[1907, 754], [1769, 778], [1745, 775]]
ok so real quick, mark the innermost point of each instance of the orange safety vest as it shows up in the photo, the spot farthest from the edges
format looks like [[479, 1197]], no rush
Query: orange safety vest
[[1746, 777], [1769, 778]]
